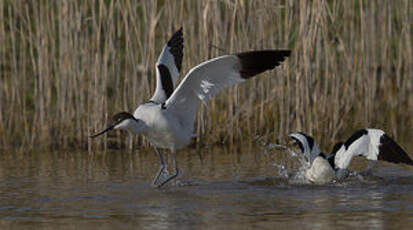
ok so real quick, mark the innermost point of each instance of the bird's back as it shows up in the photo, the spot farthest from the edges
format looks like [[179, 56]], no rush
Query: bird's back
[[163, 128], [320, 171]]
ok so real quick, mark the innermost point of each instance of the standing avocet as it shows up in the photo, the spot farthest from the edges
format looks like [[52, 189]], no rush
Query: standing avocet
[[374, 144], [167, 120]]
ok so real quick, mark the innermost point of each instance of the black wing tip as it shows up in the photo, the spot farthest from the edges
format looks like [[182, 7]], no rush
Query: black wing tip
[[178, 34], [176, 44], [256, 62], [390, 151]]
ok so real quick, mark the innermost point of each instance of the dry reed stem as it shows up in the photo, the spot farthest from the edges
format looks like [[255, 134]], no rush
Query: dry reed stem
[[66, 67]]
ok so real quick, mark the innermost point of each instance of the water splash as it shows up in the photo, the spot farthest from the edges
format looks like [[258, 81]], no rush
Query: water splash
[[294, 168], [294, 175], [299, 175], [282, 170]]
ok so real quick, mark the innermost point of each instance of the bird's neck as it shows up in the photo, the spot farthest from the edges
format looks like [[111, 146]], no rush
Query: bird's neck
[[137, 127], [342, 158]]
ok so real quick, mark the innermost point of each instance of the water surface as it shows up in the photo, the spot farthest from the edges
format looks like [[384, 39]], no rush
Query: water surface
[[218, 188]]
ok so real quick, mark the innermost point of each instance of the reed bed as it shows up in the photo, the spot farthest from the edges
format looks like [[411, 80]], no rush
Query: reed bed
[[67, 66]]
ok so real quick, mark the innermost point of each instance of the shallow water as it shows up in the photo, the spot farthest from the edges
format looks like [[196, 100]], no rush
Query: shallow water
[[218, 188]]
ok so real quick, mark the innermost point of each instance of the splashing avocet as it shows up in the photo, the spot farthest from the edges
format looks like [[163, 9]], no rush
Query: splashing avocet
[[374, 144]]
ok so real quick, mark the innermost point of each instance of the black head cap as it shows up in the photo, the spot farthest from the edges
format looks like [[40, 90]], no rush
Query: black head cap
[[119, 117], [116, 119]]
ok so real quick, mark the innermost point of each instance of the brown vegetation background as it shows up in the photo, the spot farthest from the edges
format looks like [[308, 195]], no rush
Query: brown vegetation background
[[67, 66]]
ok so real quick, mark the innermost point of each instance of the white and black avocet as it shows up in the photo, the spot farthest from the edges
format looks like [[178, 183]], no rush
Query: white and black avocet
[[373, 144], [167, 119]]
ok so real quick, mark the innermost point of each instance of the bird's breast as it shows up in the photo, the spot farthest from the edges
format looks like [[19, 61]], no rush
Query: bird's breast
[[163, 129]]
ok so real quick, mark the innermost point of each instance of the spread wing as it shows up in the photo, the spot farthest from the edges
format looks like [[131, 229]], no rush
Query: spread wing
[[390, 151], [168, 67], [307, 145], [207, 79], [374, 144]]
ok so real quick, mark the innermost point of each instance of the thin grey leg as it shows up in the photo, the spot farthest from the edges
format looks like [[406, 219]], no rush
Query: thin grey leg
[[161, 166], [175, 174]]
